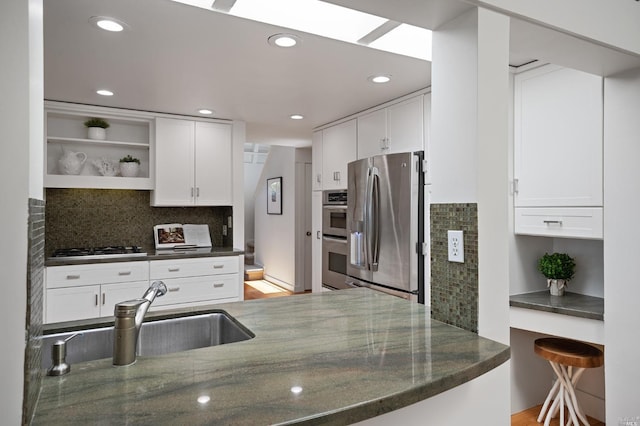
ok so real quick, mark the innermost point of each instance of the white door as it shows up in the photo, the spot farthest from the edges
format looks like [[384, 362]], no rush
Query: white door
[[213, 164], [72, 303], [558, 138], [405, 129], [372, 133], [316, 244], [174, 162], [308, 228], [338, 149]]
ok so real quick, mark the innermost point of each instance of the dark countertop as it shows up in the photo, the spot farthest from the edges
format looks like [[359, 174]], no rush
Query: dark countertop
[[356, 354], [151, 255], [573, 304]]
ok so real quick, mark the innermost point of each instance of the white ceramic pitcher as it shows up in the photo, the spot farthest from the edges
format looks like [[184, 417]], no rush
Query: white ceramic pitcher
[[71, 163]]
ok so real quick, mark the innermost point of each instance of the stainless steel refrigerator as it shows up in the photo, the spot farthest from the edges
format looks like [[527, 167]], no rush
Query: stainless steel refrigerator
[[385, 224]]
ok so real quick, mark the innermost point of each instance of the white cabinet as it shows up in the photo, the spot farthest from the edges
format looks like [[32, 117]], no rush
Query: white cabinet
[[558, 152], [338, 149], [197, 281], [193, 163], [396, 128], [316, 160], [75, 292], [129, 133]]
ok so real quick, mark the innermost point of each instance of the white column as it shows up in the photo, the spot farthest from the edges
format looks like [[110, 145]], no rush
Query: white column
[[469, 145]]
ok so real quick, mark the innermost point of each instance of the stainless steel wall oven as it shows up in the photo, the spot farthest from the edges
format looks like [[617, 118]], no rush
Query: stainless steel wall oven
[[334, 239]]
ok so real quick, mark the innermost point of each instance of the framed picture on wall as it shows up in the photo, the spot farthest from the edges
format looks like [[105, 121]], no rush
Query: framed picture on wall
[[274, 195]]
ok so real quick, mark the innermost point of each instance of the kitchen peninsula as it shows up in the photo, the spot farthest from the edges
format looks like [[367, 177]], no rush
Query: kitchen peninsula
[[326, 358]]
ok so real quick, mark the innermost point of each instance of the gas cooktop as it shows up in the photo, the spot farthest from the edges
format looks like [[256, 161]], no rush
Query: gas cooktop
[[97, 252]]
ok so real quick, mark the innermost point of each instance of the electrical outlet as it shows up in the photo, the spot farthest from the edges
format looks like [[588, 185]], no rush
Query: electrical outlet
[[456, 246]]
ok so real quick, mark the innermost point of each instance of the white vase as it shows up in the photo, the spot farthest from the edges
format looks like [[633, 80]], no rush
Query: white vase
[[130, 169], [97, 133], [556, 287]]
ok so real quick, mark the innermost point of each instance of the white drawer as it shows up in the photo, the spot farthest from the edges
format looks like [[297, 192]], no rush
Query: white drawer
[[96, 273], [578, 222], [162, 269], [196, 289]]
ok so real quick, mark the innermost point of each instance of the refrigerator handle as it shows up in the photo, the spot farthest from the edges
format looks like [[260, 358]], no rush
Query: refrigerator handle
[[367, 219], [375, 219]]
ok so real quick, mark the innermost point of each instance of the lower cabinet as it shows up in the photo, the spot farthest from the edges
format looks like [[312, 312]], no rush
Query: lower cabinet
[[196, 281], [76, 292]]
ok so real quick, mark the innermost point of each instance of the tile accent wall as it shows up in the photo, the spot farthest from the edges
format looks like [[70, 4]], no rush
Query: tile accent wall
[[35, 284], [104, 217], [454, 286]]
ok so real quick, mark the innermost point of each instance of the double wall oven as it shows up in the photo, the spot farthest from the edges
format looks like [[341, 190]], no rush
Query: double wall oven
[[334, 239]]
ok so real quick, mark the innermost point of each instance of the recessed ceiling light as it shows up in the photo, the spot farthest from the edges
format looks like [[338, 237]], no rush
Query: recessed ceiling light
[[296, 117], [108, 24], [284, 40], [205, 111], [104, 92], [379, 78]]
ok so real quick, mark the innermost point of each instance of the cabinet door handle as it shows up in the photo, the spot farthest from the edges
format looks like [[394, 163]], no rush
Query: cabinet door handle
[[197, 191], [174, 268], [96, 301], [218, 266], [336, 176], [318, 235], [103, 299], [319, 178], [192, 192], [122, 273], [172, 289], [73, 277], [553, 222], [515, 186], [218, 285]]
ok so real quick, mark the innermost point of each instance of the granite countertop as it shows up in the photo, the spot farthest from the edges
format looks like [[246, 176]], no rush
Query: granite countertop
[[151, 255], [355, 353], [573, 304]]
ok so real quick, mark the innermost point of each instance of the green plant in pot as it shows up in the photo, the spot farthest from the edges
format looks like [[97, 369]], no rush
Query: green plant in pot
[[129, 166], [97, 128], [559, 269]]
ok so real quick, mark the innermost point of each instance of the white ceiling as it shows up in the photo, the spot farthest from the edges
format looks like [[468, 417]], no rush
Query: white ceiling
[[177, 59]]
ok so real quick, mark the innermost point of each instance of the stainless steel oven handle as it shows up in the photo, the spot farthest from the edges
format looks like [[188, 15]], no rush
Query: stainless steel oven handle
[[334, 239]]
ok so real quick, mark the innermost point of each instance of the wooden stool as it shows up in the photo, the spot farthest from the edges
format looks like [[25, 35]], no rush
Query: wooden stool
[[563, 355]]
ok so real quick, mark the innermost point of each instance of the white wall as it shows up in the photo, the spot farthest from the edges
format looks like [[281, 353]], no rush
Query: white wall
[[21, 88], [275, 234], [252, 173], [239, 138], [621, 253]]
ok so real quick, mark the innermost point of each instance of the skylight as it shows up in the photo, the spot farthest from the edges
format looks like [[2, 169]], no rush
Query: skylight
[[328, 20]]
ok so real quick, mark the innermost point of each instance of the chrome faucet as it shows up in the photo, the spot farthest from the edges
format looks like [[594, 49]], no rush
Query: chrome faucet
[[128, 320]]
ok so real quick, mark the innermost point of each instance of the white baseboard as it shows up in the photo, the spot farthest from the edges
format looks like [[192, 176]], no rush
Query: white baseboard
[[282, 284]]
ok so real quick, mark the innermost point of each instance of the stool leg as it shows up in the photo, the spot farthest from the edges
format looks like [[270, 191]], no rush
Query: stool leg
[[569, 394], [552, 392], [574, 380]]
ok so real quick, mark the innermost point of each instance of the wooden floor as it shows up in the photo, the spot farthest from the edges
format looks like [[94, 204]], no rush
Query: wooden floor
[[251, 292], [528, 418]]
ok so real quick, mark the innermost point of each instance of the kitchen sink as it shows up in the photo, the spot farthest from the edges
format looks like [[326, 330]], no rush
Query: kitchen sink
[[157, 337]]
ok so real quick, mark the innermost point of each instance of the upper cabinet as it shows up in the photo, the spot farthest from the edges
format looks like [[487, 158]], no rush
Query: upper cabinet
[[76, 158], [396, 128], [558, 153], [193, 163], [338, 149]]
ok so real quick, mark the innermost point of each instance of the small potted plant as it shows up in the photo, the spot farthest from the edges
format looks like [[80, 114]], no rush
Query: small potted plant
[[129, 166], [97, 128], [559, 269]]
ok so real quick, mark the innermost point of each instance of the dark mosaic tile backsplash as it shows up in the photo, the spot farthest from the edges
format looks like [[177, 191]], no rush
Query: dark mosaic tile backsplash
[[106, 217], [454, 286], [35, 284]]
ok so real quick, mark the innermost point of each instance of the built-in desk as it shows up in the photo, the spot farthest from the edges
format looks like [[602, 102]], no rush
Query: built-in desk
[[573, 315]]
